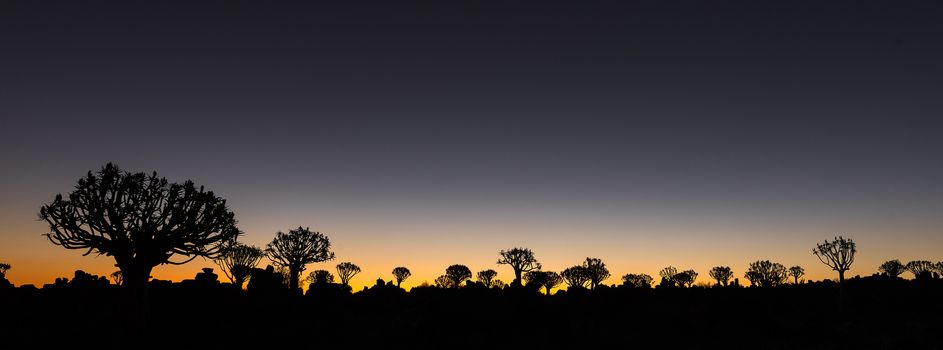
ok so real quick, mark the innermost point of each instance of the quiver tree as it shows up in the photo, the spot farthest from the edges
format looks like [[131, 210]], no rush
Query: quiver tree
[[401, 274], [521, 260], [838, 254], [575, 277], [796, 272], [892, 268], [551, 281], [668, 276], [347, 270], [486, 277], [237, 261], [920, 268], [117, 277], [320, 277], [546, 280], [596, 271], [637, 280], [443, 281], [686, 278], [140, 220], [457, 274], [765, 273], [297, 248], [721, 274]]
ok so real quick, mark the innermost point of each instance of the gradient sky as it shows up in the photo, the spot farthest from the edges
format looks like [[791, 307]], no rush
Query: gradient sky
[[423, 134]]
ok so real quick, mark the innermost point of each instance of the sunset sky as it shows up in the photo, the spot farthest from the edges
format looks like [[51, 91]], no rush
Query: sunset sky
[[424, 134]]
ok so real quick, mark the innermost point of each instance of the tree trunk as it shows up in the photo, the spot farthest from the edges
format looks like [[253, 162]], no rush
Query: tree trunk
[[133, 310], [841, 291], [293, 278], [517, 278]]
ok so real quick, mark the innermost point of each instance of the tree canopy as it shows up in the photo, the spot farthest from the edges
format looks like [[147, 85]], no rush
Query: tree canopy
[[141, 220], [297, 248]]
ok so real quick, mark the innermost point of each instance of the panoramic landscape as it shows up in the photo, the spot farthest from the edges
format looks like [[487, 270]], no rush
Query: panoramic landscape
[[508, 174]]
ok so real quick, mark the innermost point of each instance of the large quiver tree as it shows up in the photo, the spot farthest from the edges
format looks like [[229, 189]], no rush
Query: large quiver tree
[[140, 220]]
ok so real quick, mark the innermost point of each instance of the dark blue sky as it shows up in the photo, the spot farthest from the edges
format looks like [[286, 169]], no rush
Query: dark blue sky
[[701, 120]]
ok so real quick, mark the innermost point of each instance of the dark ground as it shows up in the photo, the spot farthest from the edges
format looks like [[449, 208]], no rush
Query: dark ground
[[880, 313]]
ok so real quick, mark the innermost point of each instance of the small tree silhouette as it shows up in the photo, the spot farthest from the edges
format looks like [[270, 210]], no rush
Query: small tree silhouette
[[444, 282], [685, 278], [765, 273], [401, 274], [117, 277], [838, 254], [596, 271], [347, 270], [237, 261], [457, 274], [892, 268], [551, 281], [521, 260], [543, 279], [575, 276], [668, 276], [4, 267], [141, 220], [297, 248], [320, 277], [486, 277], [637, 280], [920, 268], [721, 274], [796, 272]]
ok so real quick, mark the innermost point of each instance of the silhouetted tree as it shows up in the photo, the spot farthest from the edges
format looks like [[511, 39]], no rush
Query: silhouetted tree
[[920, 268], [445, 282], [765, 273], [4, 283], [685, 278], [346, 271], [297, 248], [117, 277], [237, 260], [320, 277], [838, 254], [637, 280], [892, 268], [575, 276], [140, 220], [486, 277], [497, 284], [688, 282], [668, 276], [596, 271], [401, 274], [521, 260], [721, 274], [458, 274], [551, 281], [796, 272], [543, 279]]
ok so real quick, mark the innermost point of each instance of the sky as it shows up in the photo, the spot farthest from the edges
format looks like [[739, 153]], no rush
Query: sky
[[425, 134]]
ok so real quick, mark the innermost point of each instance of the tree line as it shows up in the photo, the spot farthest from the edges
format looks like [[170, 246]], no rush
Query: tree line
[[143, 221]]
